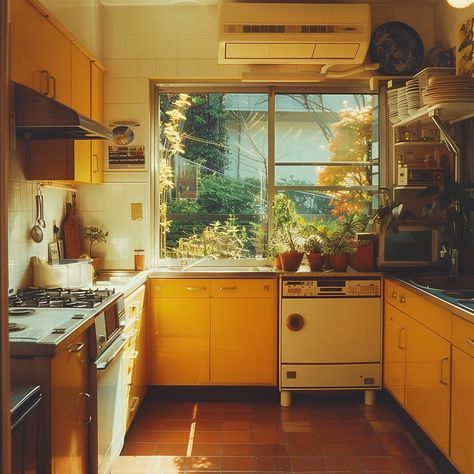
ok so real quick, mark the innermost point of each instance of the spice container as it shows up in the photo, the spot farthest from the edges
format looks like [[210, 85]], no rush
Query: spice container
[[139, 259]]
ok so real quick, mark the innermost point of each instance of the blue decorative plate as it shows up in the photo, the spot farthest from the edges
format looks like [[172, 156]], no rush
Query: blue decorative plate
[[398, 49]]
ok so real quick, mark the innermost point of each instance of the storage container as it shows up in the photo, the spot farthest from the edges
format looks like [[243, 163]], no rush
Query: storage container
[[68, 273]]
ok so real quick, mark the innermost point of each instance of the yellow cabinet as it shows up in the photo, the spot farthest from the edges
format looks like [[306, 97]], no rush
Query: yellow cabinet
[[97, 113], [40, 53], [394, 352], [219, 331], [427, 397], [70, 408], [179, 349], [462, 401]]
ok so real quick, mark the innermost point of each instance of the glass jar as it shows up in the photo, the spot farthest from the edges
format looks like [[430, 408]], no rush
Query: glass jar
[[139, 259]]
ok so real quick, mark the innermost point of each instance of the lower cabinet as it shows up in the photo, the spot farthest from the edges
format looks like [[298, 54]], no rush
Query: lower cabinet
[[219, 331], [462, 396], [427, 397]]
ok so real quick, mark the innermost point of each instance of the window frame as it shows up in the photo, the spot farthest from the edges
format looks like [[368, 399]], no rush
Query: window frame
[[156, 87]]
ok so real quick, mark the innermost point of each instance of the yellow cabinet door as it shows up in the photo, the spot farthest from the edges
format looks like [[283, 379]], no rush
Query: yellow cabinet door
[[395, 336], [40, 53], [70, 406], [462, 411], [81, 82], [97, 113], [427, 396], [179, 345], [243, 341]]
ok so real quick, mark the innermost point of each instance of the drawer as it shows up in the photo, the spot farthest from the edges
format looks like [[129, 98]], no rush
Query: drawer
[[134, 302], [180, 288], [419, 308], [243, 288], [463, 335]]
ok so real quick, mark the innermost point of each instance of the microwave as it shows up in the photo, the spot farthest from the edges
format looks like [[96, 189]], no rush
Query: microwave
[[409, 175], [412, 246]]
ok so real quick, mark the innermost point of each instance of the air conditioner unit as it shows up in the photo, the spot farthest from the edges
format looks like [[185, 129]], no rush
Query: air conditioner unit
[[284, 33]]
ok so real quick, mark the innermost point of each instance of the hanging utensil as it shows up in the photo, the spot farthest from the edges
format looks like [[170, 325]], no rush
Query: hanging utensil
[[36, 230], [39, 203]]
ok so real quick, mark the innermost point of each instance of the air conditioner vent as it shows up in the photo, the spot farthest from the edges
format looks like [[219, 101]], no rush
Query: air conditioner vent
[[263, 28], [290, 29]]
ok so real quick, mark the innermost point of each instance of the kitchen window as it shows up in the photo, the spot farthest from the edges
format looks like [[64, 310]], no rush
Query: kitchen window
[[223, 153]]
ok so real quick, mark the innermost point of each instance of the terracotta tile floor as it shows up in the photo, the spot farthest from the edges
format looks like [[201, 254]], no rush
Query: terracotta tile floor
[[317, 434]]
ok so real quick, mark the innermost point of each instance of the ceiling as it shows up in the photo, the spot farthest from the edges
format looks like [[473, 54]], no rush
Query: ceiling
[[214, 2]]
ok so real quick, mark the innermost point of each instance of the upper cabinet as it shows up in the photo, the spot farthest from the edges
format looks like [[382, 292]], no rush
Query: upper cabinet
[[45, 59], [40, 53]]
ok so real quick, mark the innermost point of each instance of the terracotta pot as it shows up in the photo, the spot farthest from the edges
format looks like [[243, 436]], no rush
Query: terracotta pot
[[96, 266], [340, 262], [327, 262], [316, 261], [363, 260], [277, 262], [291, 261]]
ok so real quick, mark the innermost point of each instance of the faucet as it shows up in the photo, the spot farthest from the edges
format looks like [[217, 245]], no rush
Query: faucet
[[186, 266], [452, 256]]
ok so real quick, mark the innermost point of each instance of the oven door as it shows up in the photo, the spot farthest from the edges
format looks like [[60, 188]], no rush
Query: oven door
[[110, 403]]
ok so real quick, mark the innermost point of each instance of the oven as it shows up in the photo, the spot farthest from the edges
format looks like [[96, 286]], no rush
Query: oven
[[107, 343], [330, 334]]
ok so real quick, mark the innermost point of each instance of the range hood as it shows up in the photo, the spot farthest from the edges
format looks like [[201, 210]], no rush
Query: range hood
[[38, 117]]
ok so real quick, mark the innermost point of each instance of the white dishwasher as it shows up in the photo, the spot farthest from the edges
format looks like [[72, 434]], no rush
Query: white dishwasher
[[330, 334]]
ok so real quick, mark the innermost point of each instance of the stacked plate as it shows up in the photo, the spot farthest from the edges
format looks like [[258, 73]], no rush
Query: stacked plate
[[428, 73], [413, 95], [392, 102], [402, 103], [449, 89]]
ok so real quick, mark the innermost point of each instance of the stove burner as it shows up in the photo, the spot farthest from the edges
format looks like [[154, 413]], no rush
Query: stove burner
[[21, 311], [60, 297], [14, 327]]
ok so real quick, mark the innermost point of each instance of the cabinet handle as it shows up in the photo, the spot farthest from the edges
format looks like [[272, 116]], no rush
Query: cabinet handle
[[225, 288], [401, 330], [88, 398], [134, 355], [45, 81], [134, 406], [53, 81], [95, 168], [401, 299], [441, 375], [133, 307], [470, 341], [394, 294], [75, 347], [196, 288]]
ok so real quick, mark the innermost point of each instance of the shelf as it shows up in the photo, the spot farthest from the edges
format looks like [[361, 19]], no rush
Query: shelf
[[451, 112], [415, 143]]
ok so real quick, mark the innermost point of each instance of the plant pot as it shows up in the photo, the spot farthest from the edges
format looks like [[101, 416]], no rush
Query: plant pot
[[340, 262], [96, 266], [277, 262], [291, 261], [316, 261], [363, 260]]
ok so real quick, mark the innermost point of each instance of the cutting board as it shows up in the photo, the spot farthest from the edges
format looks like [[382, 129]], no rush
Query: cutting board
[[72, 234]]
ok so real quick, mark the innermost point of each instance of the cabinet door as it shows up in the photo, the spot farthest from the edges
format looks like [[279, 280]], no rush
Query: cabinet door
[[243, 341], [395, 336], [40, 53], [97, 113], [179, 346], [427, 396], [462, 411], [70, 405]]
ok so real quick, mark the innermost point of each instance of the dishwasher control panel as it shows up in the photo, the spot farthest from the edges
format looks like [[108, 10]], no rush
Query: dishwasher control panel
[[331, 287]]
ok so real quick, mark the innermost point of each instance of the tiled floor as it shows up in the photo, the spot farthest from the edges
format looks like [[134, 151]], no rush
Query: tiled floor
[[317, 434]]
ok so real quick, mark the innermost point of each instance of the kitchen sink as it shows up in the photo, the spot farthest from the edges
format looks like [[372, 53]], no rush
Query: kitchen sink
[[460, 294], [444, 282], [116, 276]]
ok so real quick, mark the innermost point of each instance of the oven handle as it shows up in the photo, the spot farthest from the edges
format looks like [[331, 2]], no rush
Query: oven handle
[[115, 350]]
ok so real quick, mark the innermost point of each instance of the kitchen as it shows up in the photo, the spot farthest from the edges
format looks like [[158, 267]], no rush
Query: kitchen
[[187, 49]]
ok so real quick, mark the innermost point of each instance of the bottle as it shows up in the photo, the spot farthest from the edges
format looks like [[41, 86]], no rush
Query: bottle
[[139, 259]]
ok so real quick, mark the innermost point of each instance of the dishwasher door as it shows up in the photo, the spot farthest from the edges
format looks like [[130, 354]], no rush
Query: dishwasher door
[[330, 330]]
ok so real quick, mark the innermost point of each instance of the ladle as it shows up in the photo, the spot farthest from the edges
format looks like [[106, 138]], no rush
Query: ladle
[[39, 204]]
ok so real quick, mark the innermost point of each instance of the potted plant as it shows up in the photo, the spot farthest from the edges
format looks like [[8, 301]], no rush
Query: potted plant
[[385, 218], [314, 249], [287, 225], [94, 235]]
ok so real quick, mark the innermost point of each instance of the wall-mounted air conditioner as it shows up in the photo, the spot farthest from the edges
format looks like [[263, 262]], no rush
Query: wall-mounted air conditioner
[[284, 33]]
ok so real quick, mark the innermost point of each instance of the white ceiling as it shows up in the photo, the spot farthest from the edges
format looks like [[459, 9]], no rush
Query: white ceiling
[[214, 2]]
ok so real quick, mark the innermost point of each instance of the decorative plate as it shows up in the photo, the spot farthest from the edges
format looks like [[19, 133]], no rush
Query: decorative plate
[[398, 49]]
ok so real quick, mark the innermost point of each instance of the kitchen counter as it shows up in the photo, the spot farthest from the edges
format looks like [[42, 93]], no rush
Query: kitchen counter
[[122, 281], [436, 296]]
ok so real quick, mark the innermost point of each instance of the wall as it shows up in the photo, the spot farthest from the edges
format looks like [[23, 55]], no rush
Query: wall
[[144, 42], [82, 18], [448, 20]]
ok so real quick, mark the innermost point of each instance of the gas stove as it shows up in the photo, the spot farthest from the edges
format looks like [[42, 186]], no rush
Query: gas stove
[[60, 297]]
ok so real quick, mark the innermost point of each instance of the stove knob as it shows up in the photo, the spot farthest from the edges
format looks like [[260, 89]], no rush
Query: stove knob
[[295, 322], [101, 338]]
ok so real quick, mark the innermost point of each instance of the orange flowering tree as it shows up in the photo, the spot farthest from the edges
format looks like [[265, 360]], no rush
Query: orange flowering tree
[[351, 141]]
